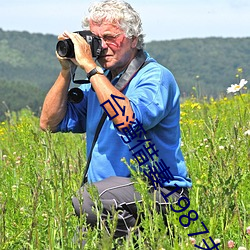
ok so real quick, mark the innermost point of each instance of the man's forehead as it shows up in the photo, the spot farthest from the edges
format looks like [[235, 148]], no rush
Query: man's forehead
[[104, 27]]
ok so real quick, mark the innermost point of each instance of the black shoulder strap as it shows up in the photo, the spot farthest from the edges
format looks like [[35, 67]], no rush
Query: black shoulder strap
[[97, 132], [136, 64]]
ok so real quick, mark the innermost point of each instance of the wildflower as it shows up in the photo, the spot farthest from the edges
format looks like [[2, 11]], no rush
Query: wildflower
[[240, 70], [195, 105], [45, 216], [237, 87], [242, 248], [192, 240], [247, 133], [221, 147], [230, 244], [14, 188], [123, 159], [216, 241], [198, 182], [132, 162], [248, 230]]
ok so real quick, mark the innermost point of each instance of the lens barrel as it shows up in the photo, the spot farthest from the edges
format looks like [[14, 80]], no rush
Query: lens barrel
[[65, 48], [75, 95]]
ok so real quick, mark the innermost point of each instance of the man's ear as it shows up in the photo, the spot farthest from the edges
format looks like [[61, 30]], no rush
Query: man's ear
[[134, 42]]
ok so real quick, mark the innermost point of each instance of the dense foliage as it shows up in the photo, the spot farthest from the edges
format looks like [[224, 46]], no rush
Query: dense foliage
[[16, 95], [28, 58], [208, 64], [28, 68], [41, 171]]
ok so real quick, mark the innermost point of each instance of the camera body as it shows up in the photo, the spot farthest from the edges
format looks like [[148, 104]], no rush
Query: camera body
[[65, 48]]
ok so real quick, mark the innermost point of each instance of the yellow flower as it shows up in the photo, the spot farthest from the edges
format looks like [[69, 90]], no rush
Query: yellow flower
[[195, 105], [240, 70], [183, 113]]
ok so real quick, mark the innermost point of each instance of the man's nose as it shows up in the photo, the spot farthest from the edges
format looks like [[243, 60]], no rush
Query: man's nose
[[104, 44]]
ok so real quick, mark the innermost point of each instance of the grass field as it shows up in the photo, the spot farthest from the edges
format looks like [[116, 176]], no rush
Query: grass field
[[40, 172]]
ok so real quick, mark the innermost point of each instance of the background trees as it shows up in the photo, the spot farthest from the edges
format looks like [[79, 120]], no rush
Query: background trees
[[202, 67]]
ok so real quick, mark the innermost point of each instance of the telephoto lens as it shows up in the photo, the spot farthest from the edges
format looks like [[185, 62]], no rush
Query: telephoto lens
[[65, 48]]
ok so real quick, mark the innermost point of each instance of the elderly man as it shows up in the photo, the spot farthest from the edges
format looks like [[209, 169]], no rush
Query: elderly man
[[141, 100]]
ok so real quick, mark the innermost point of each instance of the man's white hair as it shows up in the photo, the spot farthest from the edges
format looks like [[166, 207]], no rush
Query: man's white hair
[[120, 13]]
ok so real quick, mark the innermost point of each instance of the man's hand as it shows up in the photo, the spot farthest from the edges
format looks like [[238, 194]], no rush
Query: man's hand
[[83, 54], [66, 63]]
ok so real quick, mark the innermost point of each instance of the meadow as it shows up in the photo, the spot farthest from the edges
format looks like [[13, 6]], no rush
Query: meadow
[[40, 172]]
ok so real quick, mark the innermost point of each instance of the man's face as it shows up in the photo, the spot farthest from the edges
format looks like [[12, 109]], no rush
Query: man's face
[[118, 50]]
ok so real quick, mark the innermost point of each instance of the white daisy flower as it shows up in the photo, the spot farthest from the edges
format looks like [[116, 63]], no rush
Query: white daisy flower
[[247, 133], [237, 87]]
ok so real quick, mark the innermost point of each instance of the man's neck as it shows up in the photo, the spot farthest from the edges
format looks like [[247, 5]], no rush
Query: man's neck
[[117, 71]]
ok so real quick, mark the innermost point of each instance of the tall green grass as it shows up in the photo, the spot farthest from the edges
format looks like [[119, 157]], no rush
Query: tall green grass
[[40, 172]]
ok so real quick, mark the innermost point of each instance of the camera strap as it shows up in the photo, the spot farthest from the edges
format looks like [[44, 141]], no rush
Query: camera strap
[[136, 64]]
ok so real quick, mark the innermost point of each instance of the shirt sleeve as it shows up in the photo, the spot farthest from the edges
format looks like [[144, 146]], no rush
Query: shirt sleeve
[[154, 96]]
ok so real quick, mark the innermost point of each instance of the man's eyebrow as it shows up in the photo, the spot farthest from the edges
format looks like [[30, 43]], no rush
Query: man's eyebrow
[[107, 33]]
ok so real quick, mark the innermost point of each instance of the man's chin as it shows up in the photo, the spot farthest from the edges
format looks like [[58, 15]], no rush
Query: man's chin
[[105, 63]]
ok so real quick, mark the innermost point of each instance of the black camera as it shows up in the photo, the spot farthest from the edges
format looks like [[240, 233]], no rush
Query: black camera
[[65, 48]]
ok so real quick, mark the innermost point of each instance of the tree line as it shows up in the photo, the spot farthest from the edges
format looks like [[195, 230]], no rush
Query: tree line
[[202, 67]]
